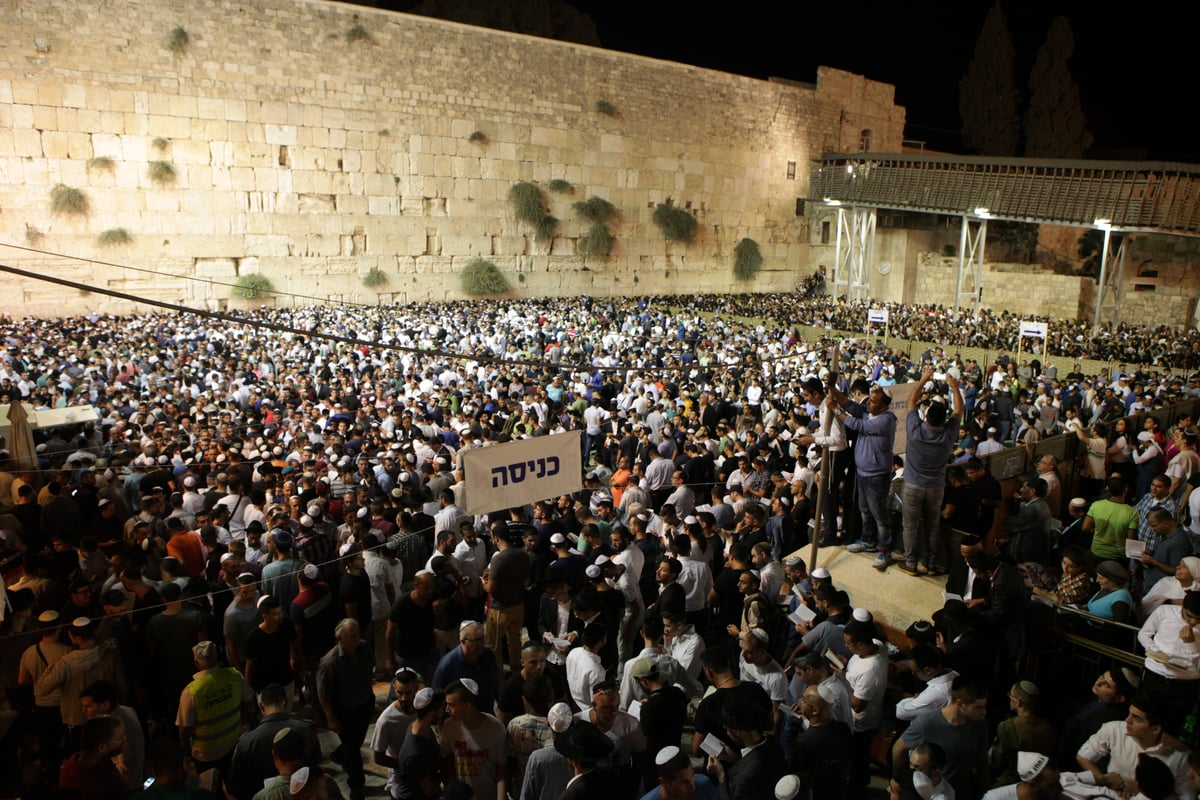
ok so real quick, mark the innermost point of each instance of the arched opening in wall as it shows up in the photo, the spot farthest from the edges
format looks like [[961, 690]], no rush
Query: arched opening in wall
[[826, 231], [865, 140]]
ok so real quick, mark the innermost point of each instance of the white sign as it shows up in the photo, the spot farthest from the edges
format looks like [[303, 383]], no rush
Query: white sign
[[1037, 329], [901, 395], [877, 315], [518, 473]]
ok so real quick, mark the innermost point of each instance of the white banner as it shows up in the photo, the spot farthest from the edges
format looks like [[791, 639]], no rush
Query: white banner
[[517, 473], [877, 315], [901, 395], [1038, 329]]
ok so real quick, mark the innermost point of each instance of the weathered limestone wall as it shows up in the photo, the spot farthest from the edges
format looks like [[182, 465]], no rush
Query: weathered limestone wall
[[1019, 288], [314, 142]]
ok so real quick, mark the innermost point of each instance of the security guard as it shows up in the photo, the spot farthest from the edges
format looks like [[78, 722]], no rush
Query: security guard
[[211, 710]]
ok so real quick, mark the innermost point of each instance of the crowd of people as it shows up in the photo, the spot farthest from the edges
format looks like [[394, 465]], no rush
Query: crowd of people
[[1068, 338], [263, 527]]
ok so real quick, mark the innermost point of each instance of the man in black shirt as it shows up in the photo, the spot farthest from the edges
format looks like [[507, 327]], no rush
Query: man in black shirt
[[821, 751], [410, 637]]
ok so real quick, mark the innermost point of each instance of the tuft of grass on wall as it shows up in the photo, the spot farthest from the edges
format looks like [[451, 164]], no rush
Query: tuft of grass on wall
[[113, 237], [676, 224], [483, 277], [595, 209], [478, 137], [178, 41], [606, 108], [527, 202], [597, 242], [69, 200], [747, 260], [102, 164], [375, 278], [559, 186], [32, 234], [252, 287], [162, 172], [546, 229], [160, 143], [358, 34]]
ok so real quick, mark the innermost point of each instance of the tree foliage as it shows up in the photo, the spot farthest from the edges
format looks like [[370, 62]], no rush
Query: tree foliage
[[988, 100], [1055, 125]]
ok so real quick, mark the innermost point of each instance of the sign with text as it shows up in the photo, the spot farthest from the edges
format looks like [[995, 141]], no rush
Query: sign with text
[[901, 404], [877, 315], [1036, 329], [518, 473]]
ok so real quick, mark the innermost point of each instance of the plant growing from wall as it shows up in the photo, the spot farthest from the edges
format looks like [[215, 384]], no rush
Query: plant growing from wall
[[478, 137], [162, 172], [102, 164], [676, 224], [559, 186], [358, 34], [178, 41], [252, 287], [375, 278], [113, 237], [597, 242], [160, 143], [546, 229], [595, 209], [527, 202], [482, 277], [606, 108], [69, 200], [32, 234], [747, 260]]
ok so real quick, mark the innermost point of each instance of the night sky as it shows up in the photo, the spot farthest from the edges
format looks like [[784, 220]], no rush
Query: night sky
[[1134, 72]]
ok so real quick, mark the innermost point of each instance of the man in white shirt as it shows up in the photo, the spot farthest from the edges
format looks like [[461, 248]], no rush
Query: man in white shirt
[[757, 666], [938, 679], [1124, 740], [584, 670], [683, 643], [867, 675]]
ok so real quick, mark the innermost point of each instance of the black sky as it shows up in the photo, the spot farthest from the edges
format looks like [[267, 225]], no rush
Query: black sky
[[1133, 63]]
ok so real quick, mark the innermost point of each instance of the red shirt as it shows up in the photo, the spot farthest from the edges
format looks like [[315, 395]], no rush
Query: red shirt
[[99, 782]]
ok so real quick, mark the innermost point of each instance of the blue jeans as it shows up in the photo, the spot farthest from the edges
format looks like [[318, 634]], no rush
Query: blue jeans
[[873, 493], [922, 521]]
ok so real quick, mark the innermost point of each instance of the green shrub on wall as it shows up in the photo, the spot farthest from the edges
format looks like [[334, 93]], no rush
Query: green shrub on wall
[[483, 277], [114, 236], [178, 41], [546, 229], [676, 224], [606, 108], [597, 242], [252, 287], [375, 278], [162, 172], [747, 260], [527, 202], [595, 209], [559, 186], [102, 164], [69, 200]]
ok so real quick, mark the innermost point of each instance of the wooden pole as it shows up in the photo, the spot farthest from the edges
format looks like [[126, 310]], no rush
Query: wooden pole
[[824, 477]]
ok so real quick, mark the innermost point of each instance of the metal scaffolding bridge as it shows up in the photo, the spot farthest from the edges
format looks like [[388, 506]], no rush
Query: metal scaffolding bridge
[[1120, 196]]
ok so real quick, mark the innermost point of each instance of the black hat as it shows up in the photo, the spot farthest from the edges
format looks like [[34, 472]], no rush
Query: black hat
[[583, 741], [740, 715]]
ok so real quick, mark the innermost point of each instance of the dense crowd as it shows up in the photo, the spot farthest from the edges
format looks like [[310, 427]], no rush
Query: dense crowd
[[264, 526], [1073, 339]]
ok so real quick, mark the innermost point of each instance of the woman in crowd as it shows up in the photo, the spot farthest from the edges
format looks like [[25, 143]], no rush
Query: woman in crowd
[[1075, 586], [1112, 600], [1187, 579]]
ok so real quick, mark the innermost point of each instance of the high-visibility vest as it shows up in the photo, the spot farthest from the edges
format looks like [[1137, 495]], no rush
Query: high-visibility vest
[[218, 711]]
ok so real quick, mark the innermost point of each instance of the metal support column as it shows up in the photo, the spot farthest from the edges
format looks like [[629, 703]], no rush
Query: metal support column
[[971, 245], [1112, 283], [855, 253]]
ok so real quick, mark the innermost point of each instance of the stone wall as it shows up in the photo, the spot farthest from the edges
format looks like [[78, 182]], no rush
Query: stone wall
[[1019, 288], [314, 143]]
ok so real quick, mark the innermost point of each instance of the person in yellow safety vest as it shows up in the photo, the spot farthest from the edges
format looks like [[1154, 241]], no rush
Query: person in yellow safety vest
[[211, 710]]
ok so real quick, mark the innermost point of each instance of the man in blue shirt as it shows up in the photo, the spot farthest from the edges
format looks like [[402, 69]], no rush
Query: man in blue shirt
[[875, 428]]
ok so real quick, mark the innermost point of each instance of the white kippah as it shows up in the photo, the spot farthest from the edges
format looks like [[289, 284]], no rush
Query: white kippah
[[787, 788], [862, 615], [666, 754]]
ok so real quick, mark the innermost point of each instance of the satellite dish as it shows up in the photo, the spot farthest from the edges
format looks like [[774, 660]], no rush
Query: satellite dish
[[884, 267]]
